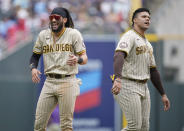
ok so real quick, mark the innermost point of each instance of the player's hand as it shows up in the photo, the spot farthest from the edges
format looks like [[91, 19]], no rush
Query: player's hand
[[166, 102], [72, 60], [35, 75], [116, 86]]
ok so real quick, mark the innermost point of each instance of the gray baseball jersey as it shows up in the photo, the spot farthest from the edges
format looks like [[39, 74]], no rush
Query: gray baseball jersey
[[139, 58], [58, 91], [134, 97], [55, 55]]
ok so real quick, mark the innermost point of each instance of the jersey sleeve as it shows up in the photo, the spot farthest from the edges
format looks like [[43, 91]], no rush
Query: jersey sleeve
[[152, 59], [38, 45], [78, 43], [125, 44]]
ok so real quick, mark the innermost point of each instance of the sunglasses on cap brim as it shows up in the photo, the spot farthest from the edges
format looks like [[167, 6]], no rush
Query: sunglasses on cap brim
[[56, 17]]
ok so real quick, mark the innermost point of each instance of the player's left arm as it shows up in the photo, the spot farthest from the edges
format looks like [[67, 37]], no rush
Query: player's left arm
[[79, 47], [82, 58], [78, 59], [156, 80]]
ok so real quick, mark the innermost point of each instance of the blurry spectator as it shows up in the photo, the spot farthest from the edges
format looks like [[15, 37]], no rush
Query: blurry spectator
[[52, 4], [33, 22], [40, 7], [21, 13], [5, 5], [22, 3], [11, 36], [3, 29]]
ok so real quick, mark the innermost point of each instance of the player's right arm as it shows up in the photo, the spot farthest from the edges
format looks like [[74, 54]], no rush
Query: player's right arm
[[119, 57], [122, 50], [34, 60], [33, 65]]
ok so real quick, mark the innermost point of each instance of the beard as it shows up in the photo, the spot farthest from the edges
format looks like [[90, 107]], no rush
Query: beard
[[58, 29]]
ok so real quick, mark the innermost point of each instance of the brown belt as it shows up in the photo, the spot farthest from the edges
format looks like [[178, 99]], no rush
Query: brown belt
[[57, 76], [139, 81]]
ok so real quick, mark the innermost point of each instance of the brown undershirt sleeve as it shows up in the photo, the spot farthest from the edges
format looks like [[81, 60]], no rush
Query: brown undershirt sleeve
[[155, 79], [34, 60], [118, 63]]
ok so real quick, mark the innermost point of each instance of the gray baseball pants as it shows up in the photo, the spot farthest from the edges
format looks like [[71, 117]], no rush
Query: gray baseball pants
[[57, 91], [134, 101]]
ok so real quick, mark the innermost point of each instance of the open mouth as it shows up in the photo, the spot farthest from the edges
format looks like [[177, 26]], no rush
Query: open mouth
[[54, 25], [146, 23]]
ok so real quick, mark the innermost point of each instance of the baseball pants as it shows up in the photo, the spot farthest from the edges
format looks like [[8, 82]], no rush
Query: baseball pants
[[134, 100], [57, 91]]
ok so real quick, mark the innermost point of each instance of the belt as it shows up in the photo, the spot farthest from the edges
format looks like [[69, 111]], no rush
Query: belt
[[139, 81], [57, 76]]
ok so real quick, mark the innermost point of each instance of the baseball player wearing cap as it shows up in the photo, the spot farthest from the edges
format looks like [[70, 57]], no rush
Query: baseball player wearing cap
[[134, 64], [63, 49]]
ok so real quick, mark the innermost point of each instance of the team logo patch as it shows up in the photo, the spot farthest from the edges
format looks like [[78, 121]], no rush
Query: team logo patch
[[123, 45]]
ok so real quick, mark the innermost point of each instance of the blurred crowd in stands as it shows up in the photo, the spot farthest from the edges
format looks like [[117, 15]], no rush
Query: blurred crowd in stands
[[19, 19]]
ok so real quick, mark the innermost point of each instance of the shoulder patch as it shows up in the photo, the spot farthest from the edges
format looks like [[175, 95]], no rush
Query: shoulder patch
[[123, 45]]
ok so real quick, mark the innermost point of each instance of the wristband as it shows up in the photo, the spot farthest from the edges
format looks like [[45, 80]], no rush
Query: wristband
[[80, 60], [118, 81], [31, 66]]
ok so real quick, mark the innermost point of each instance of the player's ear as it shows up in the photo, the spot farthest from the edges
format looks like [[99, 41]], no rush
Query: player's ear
[[64, 20], [134, 20]]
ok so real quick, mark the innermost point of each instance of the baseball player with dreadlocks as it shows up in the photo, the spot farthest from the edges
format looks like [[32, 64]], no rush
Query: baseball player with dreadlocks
[[63, 49], [134, 64]]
